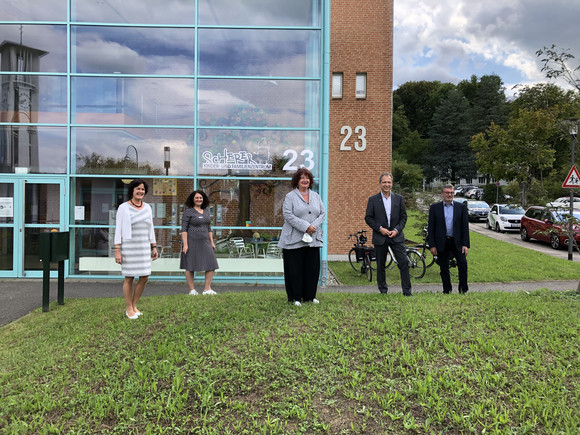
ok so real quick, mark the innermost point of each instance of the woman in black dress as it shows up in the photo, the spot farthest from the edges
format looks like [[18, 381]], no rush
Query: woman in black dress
[[198, 252]]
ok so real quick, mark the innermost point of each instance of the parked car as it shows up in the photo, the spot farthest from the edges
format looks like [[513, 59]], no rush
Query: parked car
[[564, 202], [475, 193], [465, 188], [548, 225], [460, 200], [504, 217], [477, 210]]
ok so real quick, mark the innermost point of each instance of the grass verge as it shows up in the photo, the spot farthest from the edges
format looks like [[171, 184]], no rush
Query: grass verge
[[489, 260], [251, 363]]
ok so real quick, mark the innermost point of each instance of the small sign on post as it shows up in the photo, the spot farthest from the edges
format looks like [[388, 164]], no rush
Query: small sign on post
[[573, 179]]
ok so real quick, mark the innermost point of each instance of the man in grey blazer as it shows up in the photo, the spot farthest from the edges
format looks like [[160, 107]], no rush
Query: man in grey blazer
[[448, 236], [386, 215]]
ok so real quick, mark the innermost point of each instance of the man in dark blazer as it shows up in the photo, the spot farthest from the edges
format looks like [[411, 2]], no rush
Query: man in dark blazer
[[387, 216], [448, 236]]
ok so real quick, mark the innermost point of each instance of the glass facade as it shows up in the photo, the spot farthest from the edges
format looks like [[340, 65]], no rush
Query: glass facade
[[185, 94]]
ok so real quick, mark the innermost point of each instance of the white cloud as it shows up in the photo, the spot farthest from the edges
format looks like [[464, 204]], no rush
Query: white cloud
[[451, 40]]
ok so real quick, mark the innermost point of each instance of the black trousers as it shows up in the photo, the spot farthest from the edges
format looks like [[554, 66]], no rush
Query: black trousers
[[301, 273], [402, 262], [443, 260]]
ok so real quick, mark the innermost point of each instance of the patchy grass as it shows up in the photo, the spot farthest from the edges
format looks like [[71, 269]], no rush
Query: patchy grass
[[251, 363], [489, 260]]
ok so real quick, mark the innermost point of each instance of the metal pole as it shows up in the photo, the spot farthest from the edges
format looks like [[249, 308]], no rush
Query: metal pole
[[570, 227]]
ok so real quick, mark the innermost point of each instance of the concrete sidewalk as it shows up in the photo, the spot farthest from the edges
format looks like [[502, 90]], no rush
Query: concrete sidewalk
[[18, 297]]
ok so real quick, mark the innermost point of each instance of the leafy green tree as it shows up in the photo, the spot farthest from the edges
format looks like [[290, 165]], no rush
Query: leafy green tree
[[522, 151], [489, 104], [452, 158], [407, 175], [419, 101]]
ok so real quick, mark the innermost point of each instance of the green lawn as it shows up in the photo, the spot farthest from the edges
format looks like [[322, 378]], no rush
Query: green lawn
[[503, 363], [252, 363], [489, 260]]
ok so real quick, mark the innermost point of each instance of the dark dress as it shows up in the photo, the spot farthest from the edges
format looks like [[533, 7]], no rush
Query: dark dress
[[200, 256]]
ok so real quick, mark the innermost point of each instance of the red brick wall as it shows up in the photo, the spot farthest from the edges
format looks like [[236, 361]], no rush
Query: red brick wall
[[361, 42]]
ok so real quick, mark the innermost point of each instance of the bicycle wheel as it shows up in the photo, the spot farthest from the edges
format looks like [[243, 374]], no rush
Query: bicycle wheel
[[453, 270], [352, 260], [367, 266], [389, 263], [427, 256], [416, 264]]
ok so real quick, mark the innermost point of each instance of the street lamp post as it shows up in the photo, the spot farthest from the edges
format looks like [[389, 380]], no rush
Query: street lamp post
[[573, 133], [166, 158], [128, 159]]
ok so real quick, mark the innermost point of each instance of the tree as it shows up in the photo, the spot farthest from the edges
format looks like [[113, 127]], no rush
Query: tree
[[452, 158], [419, 101], [522, 151], [489, 104], [557, 65]]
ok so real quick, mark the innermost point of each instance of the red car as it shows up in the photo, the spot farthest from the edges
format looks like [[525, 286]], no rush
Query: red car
[[548, 224]]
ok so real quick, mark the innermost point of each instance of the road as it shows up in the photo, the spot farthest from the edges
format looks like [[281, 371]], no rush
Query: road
[[514, 238]]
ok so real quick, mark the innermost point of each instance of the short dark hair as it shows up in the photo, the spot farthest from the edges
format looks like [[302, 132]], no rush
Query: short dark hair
[[189, 201], [386, 174], [447, 186], [133, 184], [298, 174]]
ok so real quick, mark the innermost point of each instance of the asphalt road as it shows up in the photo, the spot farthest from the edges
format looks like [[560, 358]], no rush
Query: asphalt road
[[514, 238]]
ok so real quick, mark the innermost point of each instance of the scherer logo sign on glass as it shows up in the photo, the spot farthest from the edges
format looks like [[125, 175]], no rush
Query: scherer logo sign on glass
[[240, 160]]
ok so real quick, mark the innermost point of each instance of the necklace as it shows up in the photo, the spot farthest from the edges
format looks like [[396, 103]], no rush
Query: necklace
[[135, 205]]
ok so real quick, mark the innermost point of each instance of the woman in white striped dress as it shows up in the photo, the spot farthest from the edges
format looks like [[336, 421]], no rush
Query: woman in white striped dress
[[135, 244]]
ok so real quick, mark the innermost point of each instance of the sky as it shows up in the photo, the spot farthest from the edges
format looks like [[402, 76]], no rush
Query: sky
[[451, 40]]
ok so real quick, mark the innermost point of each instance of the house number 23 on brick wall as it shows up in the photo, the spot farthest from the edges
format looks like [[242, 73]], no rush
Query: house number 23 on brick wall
[[358, 130]]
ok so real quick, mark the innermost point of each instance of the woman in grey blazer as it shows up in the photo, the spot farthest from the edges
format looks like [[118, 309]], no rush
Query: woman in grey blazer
[[301, 239]]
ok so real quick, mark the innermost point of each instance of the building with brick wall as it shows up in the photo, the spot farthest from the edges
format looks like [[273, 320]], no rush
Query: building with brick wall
[[190, 95]]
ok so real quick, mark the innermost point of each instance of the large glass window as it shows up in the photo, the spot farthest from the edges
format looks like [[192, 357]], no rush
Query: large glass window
[[133, 50], [246, 203], [135, 11], [259, 103], [33, 150], [259, 13], [30, 10], [33, 48], [257, 152], [133, 101], [259, 52], [133, 151], [33, 98]]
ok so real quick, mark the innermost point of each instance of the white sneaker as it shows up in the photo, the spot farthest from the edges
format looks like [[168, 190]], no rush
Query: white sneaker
[[298, 304], [315, 301], [209, 292], [193, 292]]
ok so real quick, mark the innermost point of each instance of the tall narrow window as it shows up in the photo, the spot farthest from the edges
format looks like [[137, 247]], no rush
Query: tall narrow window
[[361, 85], [336, 85]]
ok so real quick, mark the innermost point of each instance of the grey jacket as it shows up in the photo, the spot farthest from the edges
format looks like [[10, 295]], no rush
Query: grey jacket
[[298, 216]]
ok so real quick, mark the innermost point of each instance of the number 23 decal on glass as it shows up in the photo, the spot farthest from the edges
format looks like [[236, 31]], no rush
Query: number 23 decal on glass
[[293, 154], [360, 131]]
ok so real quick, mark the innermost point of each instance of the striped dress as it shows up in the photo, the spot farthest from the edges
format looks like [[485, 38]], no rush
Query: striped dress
[[136, 251]]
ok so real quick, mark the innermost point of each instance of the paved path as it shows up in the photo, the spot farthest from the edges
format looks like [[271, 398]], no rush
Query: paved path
[[18, 297]]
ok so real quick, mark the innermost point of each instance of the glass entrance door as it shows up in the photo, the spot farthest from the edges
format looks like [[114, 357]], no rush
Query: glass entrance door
[[7, 233], [28, 207]]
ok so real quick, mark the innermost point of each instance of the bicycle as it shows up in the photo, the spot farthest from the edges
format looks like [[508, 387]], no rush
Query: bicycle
[[425, 250], [361, 255], [417, 266]]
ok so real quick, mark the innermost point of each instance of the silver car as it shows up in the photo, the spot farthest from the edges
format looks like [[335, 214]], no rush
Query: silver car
[[477, 210]]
